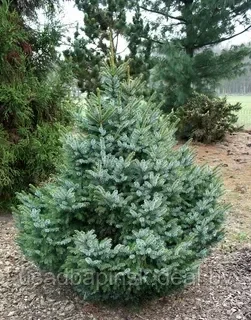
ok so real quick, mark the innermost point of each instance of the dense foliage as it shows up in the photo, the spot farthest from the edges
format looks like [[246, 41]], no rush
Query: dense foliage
[[207, 120], [129, 215], [28, 8], [188, 60], [33, 104], [176, 36], [104, 20], [178, 75]]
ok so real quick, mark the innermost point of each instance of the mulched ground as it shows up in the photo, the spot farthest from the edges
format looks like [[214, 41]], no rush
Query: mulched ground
[[222, 290]]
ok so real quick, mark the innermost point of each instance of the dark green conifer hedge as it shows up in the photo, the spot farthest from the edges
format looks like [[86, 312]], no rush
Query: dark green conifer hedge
[[35, 103]]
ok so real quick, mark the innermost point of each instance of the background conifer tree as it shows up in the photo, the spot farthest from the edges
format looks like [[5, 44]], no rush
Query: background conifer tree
[[186, 33], [180, 34], [92, 44]]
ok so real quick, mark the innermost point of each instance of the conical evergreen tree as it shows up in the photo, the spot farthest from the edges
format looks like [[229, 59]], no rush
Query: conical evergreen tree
[[129, 212]]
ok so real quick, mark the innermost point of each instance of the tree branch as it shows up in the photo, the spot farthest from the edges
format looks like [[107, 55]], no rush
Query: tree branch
[[118, 53], [164, 14], [175, 24], [222, 39], [155, 40]]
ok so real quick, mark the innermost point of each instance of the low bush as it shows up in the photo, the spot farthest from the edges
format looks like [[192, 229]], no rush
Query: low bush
[[207, 119]]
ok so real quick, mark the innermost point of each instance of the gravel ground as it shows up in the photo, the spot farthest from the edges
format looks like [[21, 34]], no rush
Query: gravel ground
[[222, 291]]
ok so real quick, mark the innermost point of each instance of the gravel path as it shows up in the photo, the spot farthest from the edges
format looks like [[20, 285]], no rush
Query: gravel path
[[222, 291]]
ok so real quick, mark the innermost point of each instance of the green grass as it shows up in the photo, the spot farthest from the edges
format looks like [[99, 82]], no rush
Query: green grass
[[245, 112]]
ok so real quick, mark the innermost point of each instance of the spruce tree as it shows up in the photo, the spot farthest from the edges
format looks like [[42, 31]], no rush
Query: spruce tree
[[128, 213]]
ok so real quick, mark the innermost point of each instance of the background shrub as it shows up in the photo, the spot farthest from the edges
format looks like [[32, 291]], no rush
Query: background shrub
[[34, 105], [128, 212], [207, 119]]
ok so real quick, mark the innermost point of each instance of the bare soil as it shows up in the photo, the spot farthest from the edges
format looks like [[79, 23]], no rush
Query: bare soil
[[234, 157], [221, 291]]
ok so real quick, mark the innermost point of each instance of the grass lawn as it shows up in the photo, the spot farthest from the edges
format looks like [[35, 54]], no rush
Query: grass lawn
[[245, 113]]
